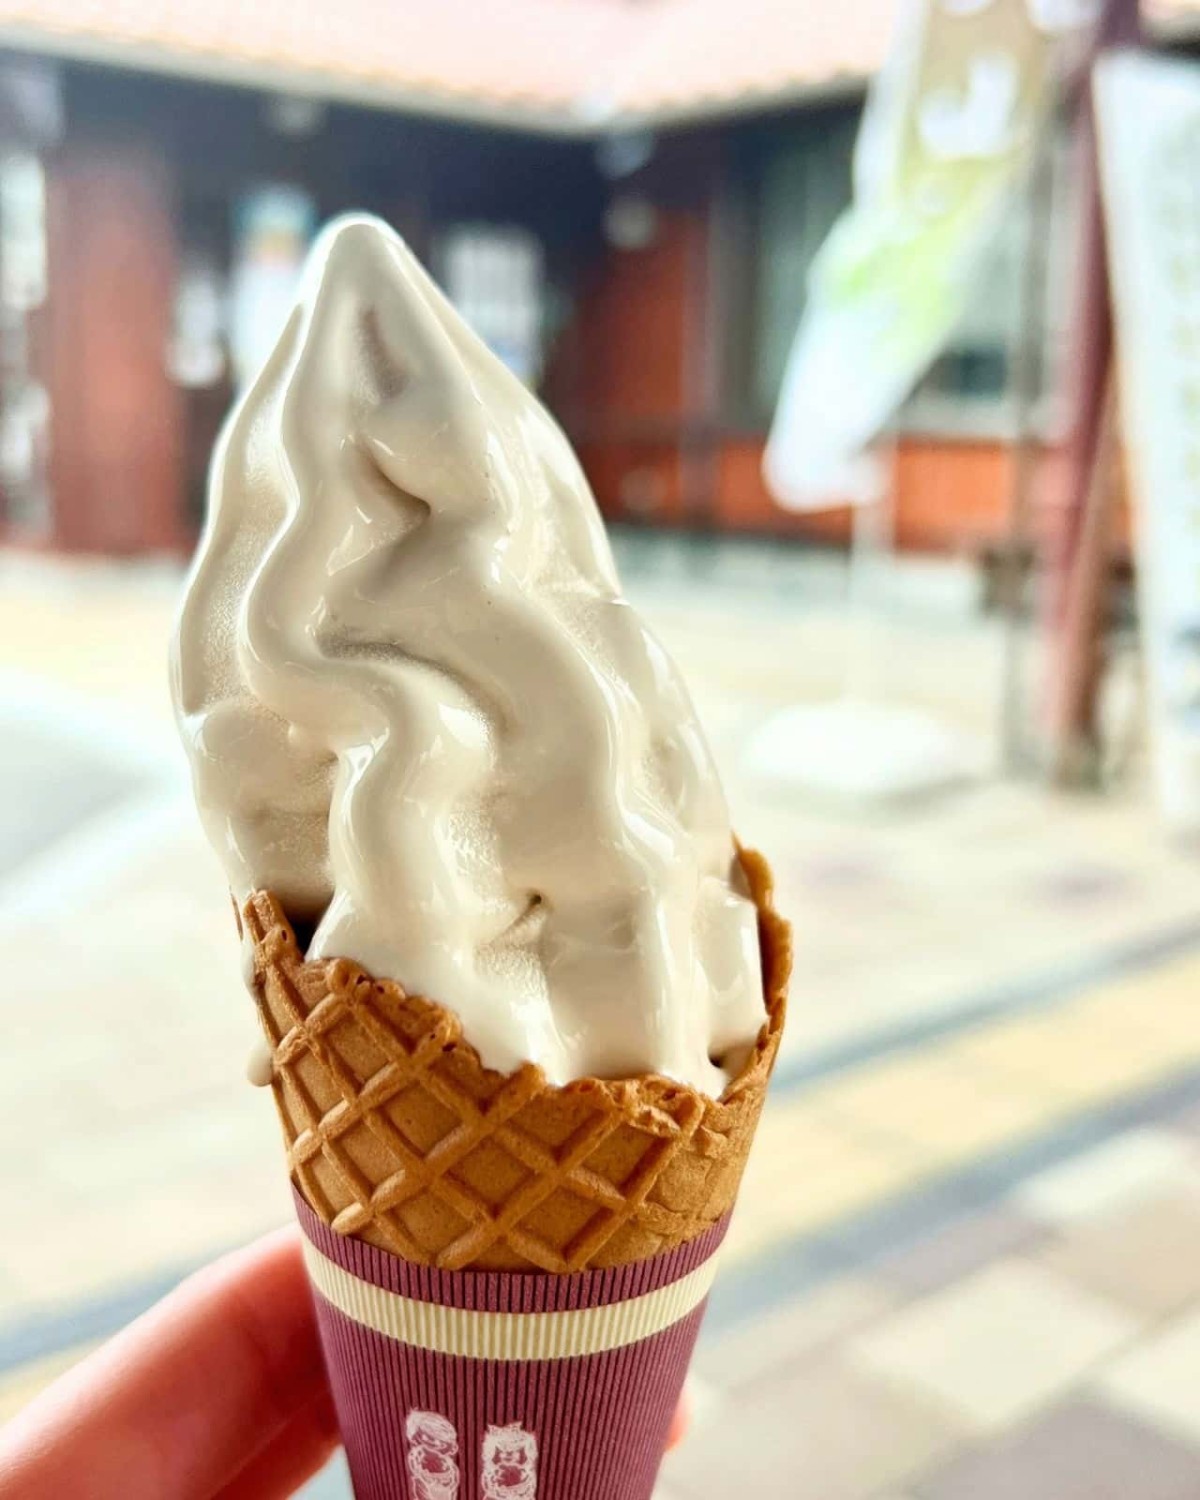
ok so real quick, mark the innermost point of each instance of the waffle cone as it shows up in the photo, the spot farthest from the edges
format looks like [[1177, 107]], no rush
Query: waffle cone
[[398, 1135]]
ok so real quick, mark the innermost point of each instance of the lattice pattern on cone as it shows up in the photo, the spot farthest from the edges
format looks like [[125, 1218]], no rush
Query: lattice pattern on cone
[[397, 1134]]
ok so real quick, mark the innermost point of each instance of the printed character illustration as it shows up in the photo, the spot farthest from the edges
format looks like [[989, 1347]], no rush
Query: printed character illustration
[[432, 1456], [509, 1464]]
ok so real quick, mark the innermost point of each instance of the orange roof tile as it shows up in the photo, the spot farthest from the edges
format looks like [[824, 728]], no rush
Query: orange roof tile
[[570, 65], [709, 54]]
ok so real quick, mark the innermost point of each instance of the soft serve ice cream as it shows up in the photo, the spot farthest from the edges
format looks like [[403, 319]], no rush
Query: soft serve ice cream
[[420, 711]]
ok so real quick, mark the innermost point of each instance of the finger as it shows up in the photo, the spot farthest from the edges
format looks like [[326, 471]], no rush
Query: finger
[[679, 1425], [296, 1452], [180, 1401]]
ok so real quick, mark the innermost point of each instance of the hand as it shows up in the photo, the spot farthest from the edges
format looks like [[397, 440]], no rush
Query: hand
[[218, 1393], [679, 1424]]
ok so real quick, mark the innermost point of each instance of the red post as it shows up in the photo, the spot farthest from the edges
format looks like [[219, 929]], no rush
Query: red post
[[1078, 532]]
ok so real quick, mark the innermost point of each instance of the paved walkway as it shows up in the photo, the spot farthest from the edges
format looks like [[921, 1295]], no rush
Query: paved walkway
[[967, 1258]]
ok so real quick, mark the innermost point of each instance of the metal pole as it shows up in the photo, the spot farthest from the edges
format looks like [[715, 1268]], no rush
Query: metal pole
[[1028, 359], [870, 568]]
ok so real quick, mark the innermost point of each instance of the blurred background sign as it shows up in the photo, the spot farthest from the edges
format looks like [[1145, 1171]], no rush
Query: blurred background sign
[[1149, 119], [950, 121]]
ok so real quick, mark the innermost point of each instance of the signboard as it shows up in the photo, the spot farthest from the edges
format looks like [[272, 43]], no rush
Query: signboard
[[948, 124], [1148, 113]]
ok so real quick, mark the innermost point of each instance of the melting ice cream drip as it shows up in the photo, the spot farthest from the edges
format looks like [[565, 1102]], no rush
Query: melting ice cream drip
[[420, 710]]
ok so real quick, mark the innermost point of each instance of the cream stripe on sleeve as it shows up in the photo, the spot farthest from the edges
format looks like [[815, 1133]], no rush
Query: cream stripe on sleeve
[[502, 1335]]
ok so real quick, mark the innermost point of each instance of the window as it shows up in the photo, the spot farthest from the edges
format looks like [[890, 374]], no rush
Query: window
[[495, 278], [799, 182]]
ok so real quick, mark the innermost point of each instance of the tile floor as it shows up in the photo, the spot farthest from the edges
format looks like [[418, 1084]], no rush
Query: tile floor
[[966, 1263], [1018, 1352]]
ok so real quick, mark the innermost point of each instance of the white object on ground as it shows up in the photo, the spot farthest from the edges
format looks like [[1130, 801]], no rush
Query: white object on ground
[[856, 751]]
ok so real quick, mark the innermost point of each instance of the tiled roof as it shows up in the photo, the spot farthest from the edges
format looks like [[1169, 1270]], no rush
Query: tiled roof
[[710, 54], [561, 64], [441, 51]]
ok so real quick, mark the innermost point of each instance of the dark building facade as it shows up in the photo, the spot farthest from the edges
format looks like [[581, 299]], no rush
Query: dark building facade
[[647, 275]]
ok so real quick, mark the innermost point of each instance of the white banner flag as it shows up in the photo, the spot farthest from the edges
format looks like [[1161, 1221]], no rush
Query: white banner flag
[[950, 120]]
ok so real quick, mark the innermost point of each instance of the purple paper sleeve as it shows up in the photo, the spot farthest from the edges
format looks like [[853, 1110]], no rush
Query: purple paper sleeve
[[479, 1385]]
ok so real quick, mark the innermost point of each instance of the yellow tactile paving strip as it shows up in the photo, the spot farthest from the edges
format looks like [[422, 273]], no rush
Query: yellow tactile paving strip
[[872, 1132]]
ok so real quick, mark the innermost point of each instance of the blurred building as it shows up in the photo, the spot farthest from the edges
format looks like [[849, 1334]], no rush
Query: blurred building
[[623, 196]]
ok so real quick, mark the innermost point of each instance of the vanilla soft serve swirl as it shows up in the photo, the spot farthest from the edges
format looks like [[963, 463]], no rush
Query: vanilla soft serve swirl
[[420, 711]]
